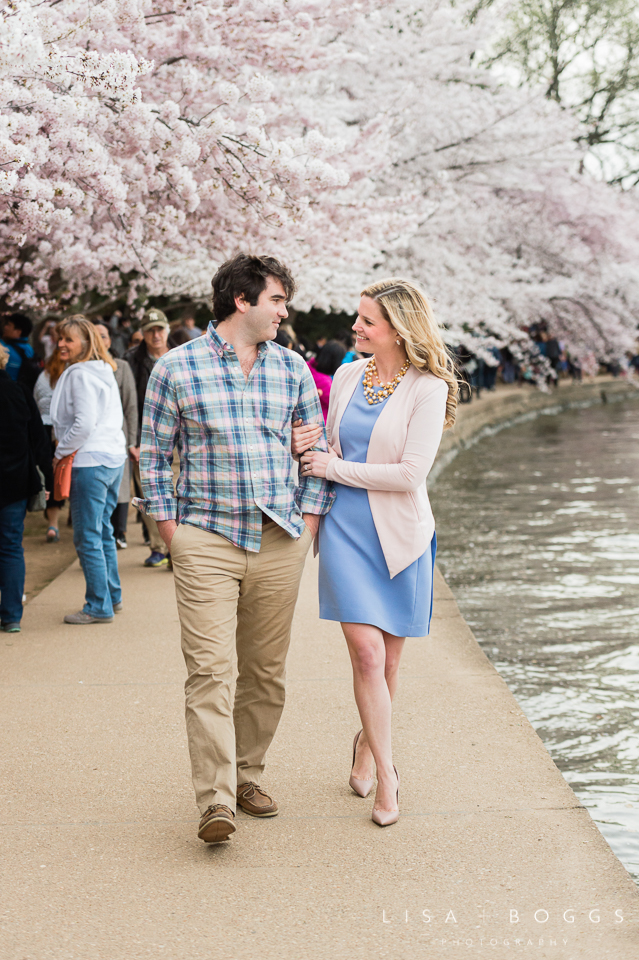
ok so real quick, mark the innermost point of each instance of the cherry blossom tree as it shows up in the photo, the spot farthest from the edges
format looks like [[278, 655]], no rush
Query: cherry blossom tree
[[510, 230], [140, 146]]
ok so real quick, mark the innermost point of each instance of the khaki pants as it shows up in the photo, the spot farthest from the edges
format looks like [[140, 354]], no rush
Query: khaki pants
[[231, 598]]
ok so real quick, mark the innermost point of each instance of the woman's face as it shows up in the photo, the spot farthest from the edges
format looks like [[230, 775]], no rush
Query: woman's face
[[103, 334], [373, 332], [70, 346]]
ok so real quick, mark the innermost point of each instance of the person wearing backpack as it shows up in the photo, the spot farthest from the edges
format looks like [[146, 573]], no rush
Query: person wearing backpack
[[23, 366]]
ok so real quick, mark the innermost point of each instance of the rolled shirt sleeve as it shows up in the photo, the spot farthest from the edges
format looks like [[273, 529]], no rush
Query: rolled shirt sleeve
[[314, 495], [160, 427]]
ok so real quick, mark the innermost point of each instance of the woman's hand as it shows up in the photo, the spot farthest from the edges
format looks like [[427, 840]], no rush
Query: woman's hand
[[304, 436], [314, 464]]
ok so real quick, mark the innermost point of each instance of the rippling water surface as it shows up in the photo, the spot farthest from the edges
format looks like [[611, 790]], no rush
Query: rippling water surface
[[538, 537]]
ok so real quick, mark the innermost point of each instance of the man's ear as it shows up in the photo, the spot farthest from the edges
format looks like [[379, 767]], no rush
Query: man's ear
[[241, 304]]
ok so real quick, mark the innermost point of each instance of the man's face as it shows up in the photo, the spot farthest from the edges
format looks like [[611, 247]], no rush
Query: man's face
[[156, 338], [262, 321], [10, 332]]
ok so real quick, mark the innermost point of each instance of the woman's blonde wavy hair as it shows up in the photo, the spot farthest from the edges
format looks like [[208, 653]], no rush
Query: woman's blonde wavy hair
[[408, 311], [94, 348]]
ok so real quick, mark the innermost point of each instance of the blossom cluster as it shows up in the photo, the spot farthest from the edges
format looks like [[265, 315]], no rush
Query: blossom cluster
[[138, 147]]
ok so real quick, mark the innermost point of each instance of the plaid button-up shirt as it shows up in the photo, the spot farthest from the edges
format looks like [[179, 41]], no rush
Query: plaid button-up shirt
[[233, 436]]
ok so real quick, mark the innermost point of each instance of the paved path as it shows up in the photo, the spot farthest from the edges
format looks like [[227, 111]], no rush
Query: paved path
[[100, 856]]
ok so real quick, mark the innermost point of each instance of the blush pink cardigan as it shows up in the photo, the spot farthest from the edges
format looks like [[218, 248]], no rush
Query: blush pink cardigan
[[401, 451]]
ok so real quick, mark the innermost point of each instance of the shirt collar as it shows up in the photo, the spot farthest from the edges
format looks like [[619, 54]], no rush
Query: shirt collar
[[218, 345]]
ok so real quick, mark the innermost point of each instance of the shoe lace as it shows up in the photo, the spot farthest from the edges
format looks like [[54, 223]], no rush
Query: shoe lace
[[214, 809], [245, 792]]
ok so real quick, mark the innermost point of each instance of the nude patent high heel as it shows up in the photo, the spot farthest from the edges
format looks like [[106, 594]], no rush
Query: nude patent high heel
[[361, 787], [384, 818]]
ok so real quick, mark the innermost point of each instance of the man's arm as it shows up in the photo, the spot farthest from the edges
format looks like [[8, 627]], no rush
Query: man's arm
[[314, 496], [160, 427]]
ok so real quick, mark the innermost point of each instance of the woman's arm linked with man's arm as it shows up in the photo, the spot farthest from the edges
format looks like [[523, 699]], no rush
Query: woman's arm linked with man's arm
[[422, 442]]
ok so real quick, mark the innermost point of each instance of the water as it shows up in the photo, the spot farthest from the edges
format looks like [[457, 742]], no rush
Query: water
[[538, 537]]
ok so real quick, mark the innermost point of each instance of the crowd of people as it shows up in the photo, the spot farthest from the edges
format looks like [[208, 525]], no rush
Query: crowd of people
[[548, 360], [72, 395], [121, 353]]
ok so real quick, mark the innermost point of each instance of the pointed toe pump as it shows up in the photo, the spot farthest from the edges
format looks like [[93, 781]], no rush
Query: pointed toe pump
[[384, 818], [361, 787]]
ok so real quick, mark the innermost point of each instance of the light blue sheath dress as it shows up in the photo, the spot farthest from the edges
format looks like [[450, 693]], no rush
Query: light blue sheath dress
[[354, 582]]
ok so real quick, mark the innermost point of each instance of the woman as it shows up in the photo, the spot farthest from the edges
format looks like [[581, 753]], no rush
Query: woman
[[129, 400], [323, 368], [377, 545], [42, 393], [86, 413]]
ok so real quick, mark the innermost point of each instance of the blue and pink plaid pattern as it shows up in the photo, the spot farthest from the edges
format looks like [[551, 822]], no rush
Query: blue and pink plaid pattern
[[233, 437]]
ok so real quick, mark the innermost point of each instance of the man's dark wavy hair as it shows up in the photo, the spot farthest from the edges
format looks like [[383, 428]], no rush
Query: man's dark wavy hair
[[246, 276]]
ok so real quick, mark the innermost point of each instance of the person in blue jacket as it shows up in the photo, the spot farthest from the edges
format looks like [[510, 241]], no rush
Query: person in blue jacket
[[16, 331]]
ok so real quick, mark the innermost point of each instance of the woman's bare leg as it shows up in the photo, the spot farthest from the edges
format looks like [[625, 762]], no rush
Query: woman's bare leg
[[373, 655], [394, 647], [51, 515]]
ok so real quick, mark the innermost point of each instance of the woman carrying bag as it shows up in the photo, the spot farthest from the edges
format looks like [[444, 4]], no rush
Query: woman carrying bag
[[86, 413]]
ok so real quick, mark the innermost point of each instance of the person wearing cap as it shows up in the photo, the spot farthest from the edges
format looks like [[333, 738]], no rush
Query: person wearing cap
[[142, 358]]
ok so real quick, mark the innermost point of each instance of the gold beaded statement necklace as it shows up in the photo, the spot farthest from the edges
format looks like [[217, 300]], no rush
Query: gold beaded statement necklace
[[387, 389]]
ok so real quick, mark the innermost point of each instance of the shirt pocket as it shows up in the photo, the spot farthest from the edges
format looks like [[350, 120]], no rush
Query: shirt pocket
[[276, 412]]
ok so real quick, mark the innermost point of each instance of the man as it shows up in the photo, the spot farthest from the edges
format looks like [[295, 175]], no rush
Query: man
[[130, 425], [239, 528], [142, 359], [120, 329], [23, 365]]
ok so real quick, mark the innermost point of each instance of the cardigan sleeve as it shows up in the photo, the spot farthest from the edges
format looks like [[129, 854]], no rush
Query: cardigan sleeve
[[422, 442]]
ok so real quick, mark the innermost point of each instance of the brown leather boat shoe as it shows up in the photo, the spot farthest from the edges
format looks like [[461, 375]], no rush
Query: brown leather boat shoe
[[217, 824], [255, 801]]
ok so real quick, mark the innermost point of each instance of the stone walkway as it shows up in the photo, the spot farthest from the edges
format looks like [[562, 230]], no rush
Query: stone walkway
[[100, 855]]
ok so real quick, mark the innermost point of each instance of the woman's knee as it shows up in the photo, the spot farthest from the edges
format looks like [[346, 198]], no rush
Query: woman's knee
[[368, 657]]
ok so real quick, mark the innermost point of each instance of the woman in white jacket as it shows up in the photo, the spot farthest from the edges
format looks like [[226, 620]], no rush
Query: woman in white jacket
[[86, 413]]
